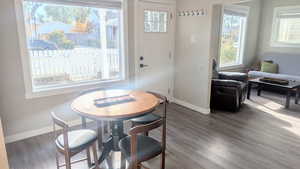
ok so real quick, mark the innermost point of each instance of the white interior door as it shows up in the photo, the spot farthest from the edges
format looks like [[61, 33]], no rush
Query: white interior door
[[155, 47]]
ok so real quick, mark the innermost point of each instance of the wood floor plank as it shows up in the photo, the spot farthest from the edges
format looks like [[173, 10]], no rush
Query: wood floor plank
[[263, 135]]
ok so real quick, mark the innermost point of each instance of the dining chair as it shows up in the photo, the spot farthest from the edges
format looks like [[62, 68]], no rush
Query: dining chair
[[151, 117], [138, 148], [70, 143]]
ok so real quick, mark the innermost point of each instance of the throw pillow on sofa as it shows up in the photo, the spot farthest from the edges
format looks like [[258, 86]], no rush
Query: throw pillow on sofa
[[269, 67]]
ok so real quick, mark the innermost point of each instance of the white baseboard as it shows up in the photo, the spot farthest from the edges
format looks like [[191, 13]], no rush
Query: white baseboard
[[32, 133], [191, 106]]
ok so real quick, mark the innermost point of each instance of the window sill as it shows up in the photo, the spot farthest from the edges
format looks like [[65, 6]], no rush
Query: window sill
[[232, 67], [79, 87]]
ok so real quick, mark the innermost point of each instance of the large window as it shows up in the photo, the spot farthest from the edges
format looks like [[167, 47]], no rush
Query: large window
[[232, 38], [73, 43], [286, 27]]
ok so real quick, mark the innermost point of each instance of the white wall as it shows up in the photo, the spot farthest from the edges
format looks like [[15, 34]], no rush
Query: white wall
[[216, 30], [192, 84], [266, 27], [19, 114], [193, 54], [253, 29]]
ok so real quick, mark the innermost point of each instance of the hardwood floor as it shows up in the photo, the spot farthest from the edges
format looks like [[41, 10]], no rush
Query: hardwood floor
[[263, 135]]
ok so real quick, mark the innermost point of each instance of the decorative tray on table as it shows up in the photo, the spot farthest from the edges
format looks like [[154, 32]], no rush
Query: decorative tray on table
[[110, 101], [275, 81]]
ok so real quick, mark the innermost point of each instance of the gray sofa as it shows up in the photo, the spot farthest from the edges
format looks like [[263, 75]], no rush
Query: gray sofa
[[289, 67]]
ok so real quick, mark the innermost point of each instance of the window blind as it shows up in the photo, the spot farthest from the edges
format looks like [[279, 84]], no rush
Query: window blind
[[288, 12], [116, 4], [235, 13]]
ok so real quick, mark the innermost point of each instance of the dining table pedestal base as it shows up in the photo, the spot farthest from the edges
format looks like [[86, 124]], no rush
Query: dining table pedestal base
[[112, 143]]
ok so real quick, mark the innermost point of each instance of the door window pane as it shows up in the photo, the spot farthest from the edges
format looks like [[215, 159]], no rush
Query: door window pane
[[155, 21], [69, 44]]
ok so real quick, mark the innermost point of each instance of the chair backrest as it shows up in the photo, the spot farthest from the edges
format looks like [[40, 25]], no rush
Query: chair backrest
[[58, 121], [65, 128], [134, 132], [145, 128], [163, 100]]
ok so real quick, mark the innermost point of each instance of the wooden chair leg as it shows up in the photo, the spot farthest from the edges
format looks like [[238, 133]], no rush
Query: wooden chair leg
[[68, 161], [163, 161], [57, 160], [94, 147], [100, 134], [88, 155]]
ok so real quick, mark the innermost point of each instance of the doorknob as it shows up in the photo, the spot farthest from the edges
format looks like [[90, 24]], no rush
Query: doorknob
[[142, 65]]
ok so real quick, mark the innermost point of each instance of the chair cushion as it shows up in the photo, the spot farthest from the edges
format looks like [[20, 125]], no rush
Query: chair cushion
[[148, 118], [78, 139], [147, 147]]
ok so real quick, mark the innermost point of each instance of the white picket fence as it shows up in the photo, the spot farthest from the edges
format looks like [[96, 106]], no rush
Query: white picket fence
[[77, 64]]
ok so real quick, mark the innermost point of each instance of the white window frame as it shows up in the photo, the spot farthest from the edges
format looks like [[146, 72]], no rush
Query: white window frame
[[240, 9], [275, 27], [30, 92]]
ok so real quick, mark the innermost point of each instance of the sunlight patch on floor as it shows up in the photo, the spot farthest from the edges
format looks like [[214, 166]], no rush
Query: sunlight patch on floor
[[273, 111], [295, 129], [218, 146], [273, 105], [294, 123]]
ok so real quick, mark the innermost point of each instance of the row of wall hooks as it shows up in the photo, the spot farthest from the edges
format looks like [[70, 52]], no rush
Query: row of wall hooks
[[198, 12]]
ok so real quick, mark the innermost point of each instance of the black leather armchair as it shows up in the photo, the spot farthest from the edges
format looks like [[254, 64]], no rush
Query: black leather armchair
[[228, 90]]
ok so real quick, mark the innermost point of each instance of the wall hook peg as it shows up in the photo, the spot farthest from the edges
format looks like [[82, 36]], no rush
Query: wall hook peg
[[193, 13]]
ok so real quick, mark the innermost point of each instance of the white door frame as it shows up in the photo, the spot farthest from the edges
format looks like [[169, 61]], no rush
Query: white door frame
[[137, 28]]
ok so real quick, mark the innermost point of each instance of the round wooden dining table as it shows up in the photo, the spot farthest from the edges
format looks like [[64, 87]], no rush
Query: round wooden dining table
[[115, 106]]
